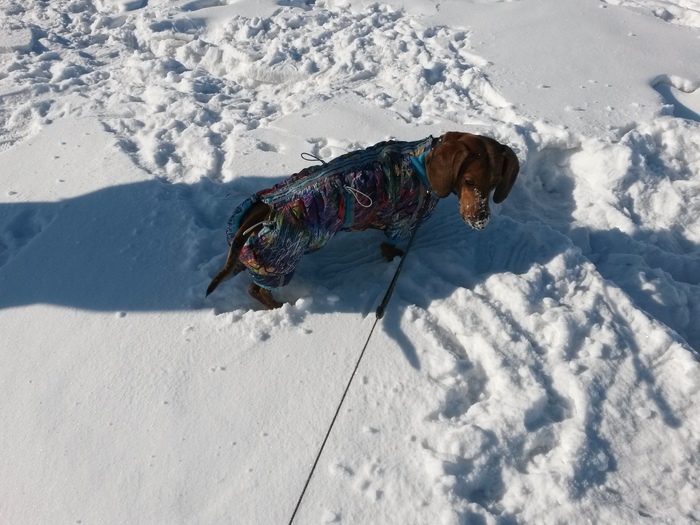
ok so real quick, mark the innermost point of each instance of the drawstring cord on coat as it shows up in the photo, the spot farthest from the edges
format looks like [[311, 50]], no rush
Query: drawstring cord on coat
[[310, 157], [355, 193], [261, 223]]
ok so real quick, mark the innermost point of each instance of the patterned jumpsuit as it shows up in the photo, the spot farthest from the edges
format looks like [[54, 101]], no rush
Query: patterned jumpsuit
[[384, 187]]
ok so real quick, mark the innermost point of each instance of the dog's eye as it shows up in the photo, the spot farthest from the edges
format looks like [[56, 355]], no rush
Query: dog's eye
[[469, 182]]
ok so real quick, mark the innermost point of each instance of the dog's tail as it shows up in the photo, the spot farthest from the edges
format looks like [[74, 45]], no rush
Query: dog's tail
[[250, 225], [231, 263]]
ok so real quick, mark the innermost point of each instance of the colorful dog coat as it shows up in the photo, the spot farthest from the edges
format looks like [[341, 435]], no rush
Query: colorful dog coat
[[384, 187]]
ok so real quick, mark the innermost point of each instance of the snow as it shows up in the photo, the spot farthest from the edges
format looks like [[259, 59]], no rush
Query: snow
[[544, 370]]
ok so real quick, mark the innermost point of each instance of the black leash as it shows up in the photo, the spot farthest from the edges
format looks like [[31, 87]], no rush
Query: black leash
[[335, 416], [381, 309]]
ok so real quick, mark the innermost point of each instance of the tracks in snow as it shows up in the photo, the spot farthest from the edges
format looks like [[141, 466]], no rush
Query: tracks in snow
[[183, 91]]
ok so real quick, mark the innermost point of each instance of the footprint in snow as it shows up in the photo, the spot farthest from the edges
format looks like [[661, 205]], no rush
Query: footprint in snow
[[465, 382], [20, 230]]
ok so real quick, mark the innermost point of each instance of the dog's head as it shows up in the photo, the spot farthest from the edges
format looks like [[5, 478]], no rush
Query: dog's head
[[472, 167]]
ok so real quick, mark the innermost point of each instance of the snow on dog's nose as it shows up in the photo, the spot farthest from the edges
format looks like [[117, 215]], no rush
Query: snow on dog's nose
[[474, 208], [479, 223]]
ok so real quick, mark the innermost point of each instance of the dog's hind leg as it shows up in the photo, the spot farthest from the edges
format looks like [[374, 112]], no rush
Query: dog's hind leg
[[264, 296], [250, 225]]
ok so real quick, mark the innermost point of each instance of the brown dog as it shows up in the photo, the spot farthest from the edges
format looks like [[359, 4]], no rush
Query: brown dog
[[393, 186]]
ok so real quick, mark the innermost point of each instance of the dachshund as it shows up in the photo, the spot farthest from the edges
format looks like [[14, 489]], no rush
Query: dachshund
[[393, 186]]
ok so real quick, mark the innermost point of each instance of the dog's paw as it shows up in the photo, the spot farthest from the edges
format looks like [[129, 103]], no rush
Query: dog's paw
[[389, 251], [264, 296]]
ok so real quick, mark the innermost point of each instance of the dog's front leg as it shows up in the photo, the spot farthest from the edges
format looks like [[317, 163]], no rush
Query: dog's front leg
[[264, 296], [389, 251]]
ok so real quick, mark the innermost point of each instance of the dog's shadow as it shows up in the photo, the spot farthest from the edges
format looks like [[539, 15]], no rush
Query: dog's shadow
[[131, 247]]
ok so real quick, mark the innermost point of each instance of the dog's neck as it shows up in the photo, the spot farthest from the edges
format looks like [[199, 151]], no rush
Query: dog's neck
[[419, 164]]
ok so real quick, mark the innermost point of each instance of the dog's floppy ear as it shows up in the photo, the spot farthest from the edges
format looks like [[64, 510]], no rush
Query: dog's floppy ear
[[443, 165], [511, 166]]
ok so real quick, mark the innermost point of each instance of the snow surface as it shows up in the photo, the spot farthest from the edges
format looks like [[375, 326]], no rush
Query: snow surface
[[544, 370]]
